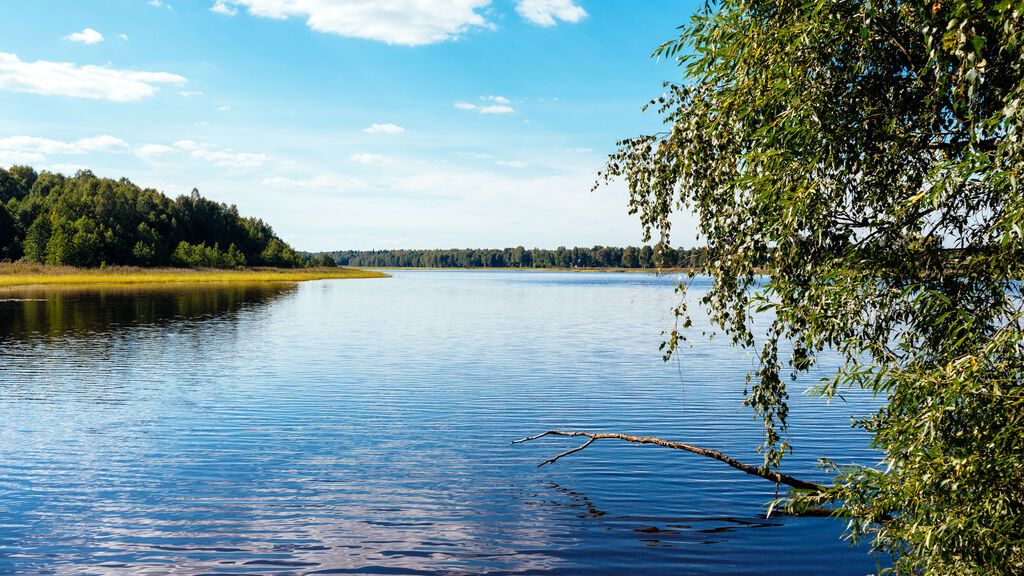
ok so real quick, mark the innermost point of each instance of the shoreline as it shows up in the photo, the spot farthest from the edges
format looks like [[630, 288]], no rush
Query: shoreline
[[19, 275]]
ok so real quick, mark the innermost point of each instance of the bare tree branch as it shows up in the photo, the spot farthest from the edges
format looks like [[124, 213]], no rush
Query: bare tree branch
[[771, 475], [566, 453]]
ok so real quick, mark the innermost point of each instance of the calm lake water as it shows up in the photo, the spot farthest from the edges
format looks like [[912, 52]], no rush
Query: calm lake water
[[363, 427]]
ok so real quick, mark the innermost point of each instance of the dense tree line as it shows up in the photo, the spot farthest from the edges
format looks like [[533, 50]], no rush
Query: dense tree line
[[84, 220], [658, 256]]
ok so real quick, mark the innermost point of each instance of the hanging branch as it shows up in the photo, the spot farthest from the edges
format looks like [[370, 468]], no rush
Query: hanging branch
[[771, 475]]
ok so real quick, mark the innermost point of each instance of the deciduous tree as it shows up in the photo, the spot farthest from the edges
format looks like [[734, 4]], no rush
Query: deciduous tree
[[871, 154]]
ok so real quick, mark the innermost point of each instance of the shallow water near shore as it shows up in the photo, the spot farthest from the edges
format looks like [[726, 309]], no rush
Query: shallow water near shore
[[364, 427]]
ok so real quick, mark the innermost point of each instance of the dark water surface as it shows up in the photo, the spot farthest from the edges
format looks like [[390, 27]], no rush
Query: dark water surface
[[363, 427]]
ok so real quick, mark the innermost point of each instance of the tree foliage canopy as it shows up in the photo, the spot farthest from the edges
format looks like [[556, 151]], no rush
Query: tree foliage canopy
[[88, 221], [872, 152]]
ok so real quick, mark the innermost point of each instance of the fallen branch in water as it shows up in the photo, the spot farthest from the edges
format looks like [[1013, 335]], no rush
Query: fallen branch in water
[[771, 475]]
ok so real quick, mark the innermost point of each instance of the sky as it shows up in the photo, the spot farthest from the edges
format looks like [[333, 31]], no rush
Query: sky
[[349, 124]]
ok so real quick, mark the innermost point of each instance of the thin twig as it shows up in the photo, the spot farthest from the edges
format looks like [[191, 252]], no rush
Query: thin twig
[[567, 452], [767, 474]]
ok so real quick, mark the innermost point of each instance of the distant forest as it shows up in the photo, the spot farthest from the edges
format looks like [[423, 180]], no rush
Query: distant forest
[[87, 221], [658, 256], [84, 220]]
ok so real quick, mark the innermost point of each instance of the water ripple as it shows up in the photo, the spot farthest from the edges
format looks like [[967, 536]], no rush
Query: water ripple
[[363, 427]]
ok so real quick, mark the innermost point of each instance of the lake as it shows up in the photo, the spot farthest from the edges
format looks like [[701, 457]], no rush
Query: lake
[[364, 427]]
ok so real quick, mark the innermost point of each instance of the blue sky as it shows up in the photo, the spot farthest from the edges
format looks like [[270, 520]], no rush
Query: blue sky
[[348, 123]]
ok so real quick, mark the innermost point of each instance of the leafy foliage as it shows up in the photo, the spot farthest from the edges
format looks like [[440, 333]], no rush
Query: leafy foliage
[[323, 260], [88, 221], [872, 153]]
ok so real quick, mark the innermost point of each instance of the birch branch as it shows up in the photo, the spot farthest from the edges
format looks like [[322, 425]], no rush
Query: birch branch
[[767, 474]]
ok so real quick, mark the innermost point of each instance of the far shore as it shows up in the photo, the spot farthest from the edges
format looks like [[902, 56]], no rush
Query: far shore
[[528, 269], [23, 275]]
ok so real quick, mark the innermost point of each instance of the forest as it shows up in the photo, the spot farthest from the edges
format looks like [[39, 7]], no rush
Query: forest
[[87, 221], [658, 256]]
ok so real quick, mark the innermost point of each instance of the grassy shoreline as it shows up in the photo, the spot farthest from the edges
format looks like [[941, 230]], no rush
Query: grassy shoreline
[[22, 275]]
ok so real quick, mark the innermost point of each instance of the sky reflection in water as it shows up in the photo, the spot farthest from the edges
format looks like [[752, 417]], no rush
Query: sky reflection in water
[[363, 426]]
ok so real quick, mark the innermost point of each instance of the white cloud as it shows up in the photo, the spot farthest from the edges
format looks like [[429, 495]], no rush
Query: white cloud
[[12, 157], [580, 150], [87, 36], [231, 159], [371, 159], [150, 151], [497, 108], [326, 182], [160, 4], [222, 7], [64, 167], [225, 158], [67, 79], [190, 93], [511, 163], [407, 22], [35, 150], [546, 12], [384, 129], [36, 145], [223, 108], [104, 143], [123, 37], [191, 145], [497, 99]]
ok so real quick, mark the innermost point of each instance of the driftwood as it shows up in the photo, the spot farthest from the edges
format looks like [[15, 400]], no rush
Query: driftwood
[[767, 474]]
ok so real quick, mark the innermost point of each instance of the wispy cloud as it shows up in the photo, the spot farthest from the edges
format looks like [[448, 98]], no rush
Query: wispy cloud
[[160, 4], [86, 36], [325, 182], [103, 143], [19, 157], [33, 149], [548, 12], [67, 79], [225, 158], [498, 105], [372, 159], [193, 145], [511, 163], [384, 129], [151, 151], [232, 159], [407, 22], [222, 7], [30, 150]]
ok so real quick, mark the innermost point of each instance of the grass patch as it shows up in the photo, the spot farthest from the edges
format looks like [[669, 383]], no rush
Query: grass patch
[[20, 274]]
